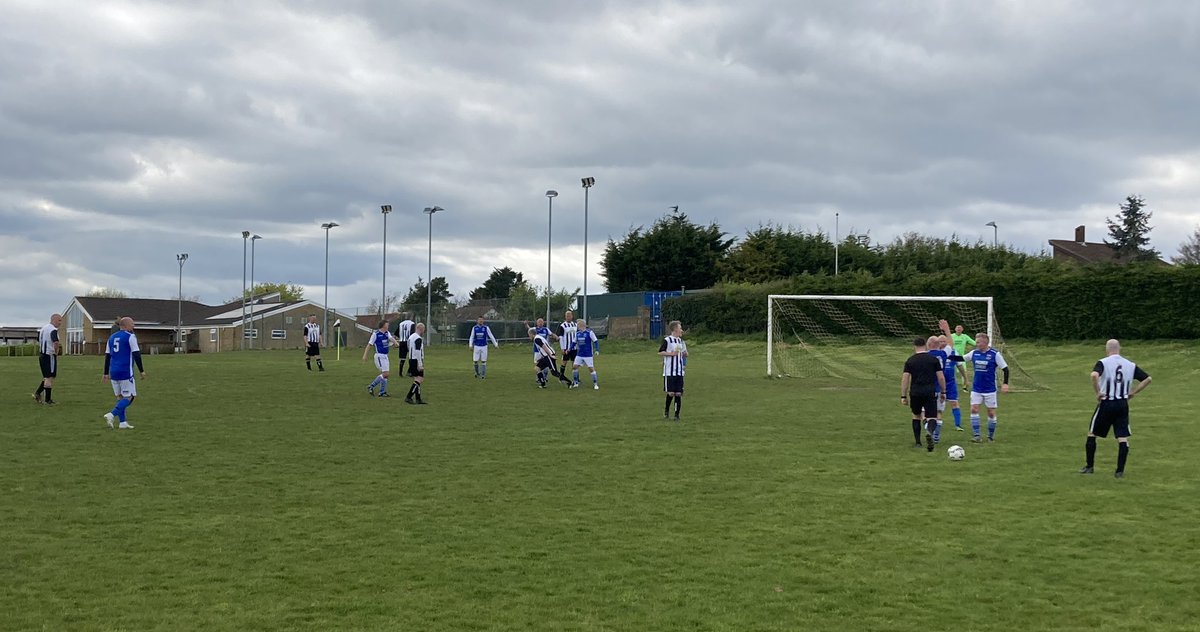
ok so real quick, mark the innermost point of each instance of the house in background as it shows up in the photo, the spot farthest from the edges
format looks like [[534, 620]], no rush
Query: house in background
[[269, 323], [1082, 251]]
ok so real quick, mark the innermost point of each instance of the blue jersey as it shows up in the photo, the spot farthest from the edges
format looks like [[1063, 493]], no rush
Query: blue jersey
[[480, 335], [121, 347], [942, 359], [544, 332], [382, 341], [948, 369], [985, 364], [586, 344]]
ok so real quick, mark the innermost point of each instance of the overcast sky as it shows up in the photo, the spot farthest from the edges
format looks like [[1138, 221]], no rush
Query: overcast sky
[[130, 132]]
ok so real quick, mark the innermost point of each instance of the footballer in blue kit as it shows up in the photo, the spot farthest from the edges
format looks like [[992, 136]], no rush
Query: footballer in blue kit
[[481, 334], [121, 354], [984, 361], [586, 348], [381, 342], [951, 369], [934, 348]]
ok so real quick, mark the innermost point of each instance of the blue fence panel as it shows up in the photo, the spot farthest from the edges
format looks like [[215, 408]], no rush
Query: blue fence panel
[[654, 300]]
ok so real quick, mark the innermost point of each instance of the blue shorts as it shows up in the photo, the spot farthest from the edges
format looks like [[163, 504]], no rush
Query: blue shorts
[[951, 390]]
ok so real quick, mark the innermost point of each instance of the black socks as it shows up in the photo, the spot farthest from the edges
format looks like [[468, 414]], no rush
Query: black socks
[[678, 404], [1090, 448], [917, 430], [1122, 454]]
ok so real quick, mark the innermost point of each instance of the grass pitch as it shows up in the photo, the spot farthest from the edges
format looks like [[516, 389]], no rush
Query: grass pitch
[[254, 494]]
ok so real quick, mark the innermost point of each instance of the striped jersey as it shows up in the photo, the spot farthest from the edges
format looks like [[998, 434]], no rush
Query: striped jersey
[[541, 347], [416, 347], [48, 339], [1117, 375], [405, 329], [312, 332], [544, 332], [566, 336], [672, 365]]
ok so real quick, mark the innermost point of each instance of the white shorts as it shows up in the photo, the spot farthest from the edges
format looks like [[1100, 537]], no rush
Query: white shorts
[[589, 361], [479, 354], [383, 362], [124, 388], [987, 399]]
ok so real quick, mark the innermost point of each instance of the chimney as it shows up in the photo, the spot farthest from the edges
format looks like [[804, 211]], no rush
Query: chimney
[[1079, 234]]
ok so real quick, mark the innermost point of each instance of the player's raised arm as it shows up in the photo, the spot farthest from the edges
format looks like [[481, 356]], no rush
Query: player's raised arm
[[944, 326]]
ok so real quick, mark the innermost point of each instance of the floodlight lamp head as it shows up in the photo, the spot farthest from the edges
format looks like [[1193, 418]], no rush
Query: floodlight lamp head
[[588, 182], [254, 237], [992, 224], [386, 208], [551, 193], [181, 257], [328, 225], [430, 210], [245, 234]]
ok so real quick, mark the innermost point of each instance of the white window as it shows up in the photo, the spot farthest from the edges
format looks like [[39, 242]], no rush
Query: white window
[[278, 334], [212, 335], [289, 320], [250, 334]]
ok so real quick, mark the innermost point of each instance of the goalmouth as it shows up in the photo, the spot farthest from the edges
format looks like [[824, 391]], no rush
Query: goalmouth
[[814, 335]]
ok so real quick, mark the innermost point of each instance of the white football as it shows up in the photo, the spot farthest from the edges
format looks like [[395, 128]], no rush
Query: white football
[[956, 453]]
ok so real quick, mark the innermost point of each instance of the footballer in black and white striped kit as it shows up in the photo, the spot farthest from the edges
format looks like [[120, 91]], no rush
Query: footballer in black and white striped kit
[[566, 340], [416, 364], [674, 354], [312, 336], [48, 349], [1113, 381], [404, 331]]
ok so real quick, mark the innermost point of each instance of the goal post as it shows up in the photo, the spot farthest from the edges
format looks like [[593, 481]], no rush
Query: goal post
[[814, 335]]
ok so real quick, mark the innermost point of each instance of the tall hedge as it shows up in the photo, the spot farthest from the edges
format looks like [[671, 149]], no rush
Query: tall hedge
[[1043, 300]]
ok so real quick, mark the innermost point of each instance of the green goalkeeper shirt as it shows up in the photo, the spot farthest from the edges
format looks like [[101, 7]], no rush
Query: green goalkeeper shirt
[[960, 342]]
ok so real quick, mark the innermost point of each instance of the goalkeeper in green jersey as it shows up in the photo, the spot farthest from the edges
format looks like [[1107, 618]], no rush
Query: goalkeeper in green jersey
[[961, 340]]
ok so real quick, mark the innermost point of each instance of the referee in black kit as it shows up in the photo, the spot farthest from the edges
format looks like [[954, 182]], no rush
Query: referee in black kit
[[1112, 379], [922, 382]]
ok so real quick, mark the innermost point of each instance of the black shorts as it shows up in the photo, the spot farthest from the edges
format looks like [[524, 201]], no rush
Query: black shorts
[[546, 362], [569, 356], [314, 349], [673, 384], [49, 365], [923, 403], [402, 349], [414, 370], [1112, 414]]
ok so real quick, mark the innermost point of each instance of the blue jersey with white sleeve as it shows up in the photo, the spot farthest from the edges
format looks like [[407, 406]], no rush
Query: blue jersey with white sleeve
[[480, 334], [985, 364], [942, 358], [121, 349], [382, 341], [586, 344]]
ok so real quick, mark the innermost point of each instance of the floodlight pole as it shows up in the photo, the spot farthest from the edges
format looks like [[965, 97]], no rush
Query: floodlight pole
[[253, 238], [325, 319], [588, 183], [995, 232], [181, 258], [245, 236], [550, 195], [386, 208], [836, 239], [430, 210]]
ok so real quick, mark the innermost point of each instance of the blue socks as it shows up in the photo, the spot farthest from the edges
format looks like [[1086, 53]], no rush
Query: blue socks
[[937, 432], [119, 409], [575, 376], [383, 386], [483, 370], [975, 424], [991, 427], [957, 417], [595, 378]]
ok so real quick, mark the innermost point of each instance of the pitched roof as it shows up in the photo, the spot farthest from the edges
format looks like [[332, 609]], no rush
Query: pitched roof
[[1085, 251], [159, 312]]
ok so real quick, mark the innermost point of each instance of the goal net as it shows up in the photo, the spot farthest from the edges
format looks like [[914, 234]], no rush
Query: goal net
[[867, 337]]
